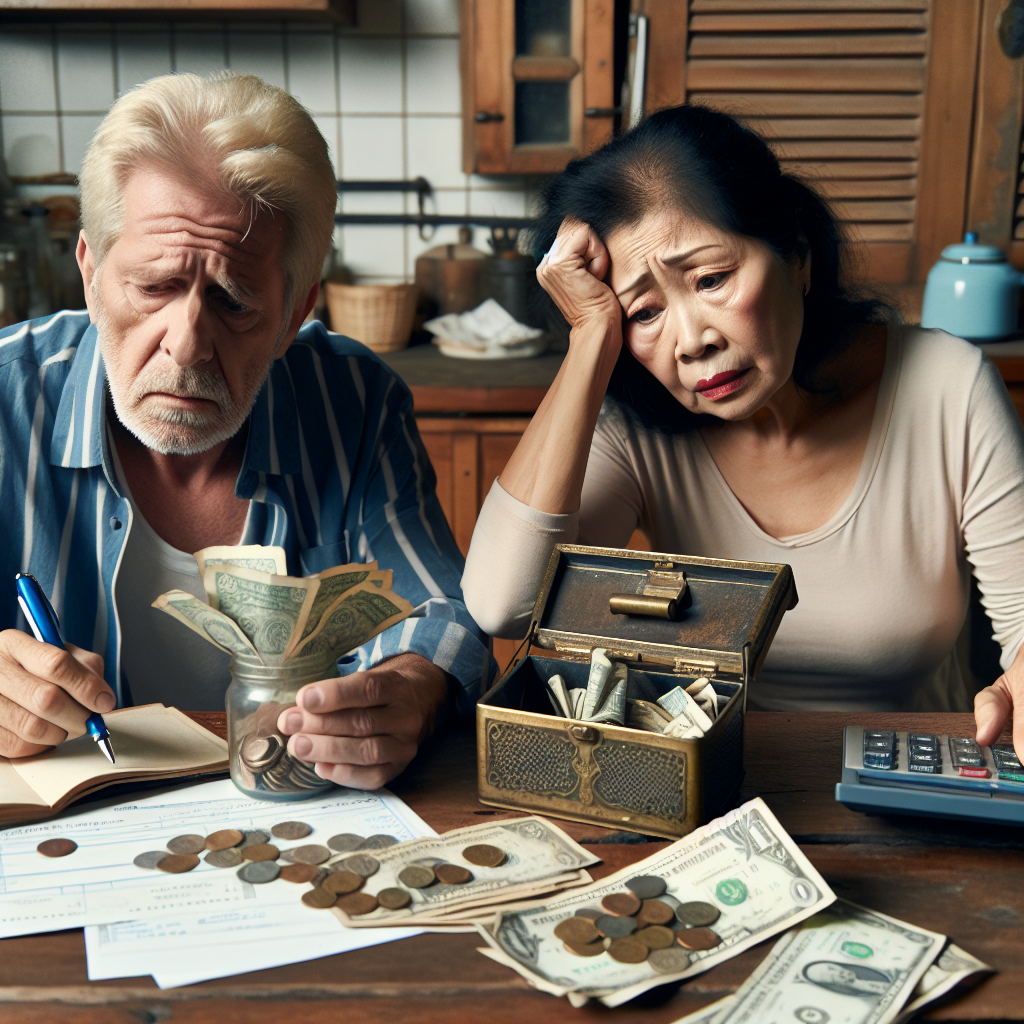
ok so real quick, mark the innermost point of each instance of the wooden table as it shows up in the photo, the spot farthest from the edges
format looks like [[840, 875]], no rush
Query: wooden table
[[964, 880]]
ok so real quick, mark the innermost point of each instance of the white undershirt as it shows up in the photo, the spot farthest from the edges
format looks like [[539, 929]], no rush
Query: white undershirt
[[162, 659]]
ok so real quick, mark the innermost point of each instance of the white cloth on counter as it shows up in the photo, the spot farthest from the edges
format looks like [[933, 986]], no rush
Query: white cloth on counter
[[487, 332], [883, 584]]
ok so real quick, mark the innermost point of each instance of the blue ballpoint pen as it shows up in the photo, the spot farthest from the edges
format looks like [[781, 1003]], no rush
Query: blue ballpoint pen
[[46, 627]]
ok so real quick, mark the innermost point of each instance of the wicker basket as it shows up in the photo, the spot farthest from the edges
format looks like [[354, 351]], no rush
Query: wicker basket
[[379, 315]]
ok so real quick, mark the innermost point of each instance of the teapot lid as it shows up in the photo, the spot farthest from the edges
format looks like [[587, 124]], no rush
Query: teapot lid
[[969, 251]]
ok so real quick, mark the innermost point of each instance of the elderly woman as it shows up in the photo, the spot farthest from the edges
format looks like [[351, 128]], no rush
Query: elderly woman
[[725, 393]]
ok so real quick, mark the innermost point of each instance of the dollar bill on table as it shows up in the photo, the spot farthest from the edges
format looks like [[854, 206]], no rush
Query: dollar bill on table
[[708, 1013], [742, 867], [953, 968], [844, 965], [538, 856]]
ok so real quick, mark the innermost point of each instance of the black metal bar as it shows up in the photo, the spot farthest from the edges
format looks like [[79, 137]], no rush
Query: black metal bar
[[433, 220], [413, 185]]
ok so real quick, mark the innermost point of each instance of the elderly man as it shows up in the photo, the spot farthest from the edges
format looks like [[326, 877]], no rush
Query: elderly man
[[191, 406]]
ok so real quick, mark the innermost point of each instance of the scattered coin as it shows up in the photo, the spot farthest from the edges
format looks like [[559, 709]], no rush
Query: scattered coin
[[341, 883], [615, 927], [377, 842], [291, 830], [452, 874], [697, 914], [586, 949], [592, 912], [299, 872], [416, 876], [56, 847], [224, 839], [260, 851], [654, 912], [176, 863], [254, 836], [311, 854], [577, 931], [187, 844], [628, 951], [393, 899], [697, 938], [149, 860], [657, 937], [669, 961], [362, 864], [319, 898], [229, 858], [621, 904], [484, 856], [259, 871], [358, 903], [345, 842], [647, 887]]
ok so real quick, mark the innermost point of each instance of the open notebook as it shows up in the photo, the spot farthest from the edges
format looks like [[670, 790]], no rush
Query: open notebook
[[150, 742]]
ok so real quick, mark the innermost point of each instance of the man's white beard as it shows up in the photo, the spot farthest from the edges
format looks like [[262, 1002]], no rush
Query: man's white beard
[[181, 431]]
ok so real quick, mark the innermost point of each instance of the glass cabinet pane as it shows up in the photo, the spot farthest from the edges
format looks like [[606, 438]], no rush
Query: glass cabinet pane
[[542, 112], [542, 28]]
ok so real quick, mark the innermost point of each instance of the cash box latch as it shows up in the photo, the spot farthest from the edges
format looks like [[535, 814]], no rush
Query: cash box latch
[[663, 596]]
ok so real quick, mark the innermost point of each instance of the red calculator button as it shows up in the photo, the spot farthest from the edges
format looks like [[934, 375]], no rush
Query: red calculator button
[[976, 773]]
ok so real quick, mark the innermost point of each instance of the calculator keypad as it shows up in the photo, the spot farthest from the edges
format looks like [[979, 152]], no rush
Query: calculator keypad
[[923, 753], [965, 756], [879, 749], [1008, 765]]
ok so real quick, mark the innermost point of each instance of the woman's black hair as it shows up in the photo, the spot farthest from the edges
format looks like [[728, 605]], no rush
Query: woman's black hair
[[710, 165]]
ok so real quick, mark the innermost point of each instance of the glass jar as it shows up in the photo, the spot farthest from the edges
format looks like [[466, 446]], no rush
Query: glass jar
[[260, 763]]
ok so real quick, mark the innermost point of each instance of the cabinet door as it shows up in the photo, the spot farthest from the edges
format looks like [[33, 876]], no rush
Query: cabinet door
[[531, 70]]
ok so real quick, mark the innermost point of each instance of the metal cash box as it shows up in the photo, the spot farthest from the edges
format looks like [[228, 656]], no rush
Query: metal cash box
[[726, 617]]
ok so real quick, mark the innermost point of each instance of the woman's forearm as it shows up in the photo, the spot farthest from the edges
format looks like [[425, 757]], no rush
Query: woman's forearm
[[546, 470]]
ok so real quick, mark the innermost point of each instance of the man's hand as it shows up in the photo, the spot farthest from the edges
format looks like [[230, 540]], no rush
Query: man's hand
[[46, 693], [1003, 700], [362, 730]]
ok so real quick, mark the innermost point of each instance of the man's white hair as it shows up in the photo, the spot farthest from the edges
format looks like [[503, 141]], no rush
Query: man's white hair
[[244, 136]]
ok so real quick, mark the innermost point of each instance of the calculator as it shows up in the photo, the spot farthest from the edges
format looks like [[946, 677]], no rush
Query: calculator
[[886, 771]]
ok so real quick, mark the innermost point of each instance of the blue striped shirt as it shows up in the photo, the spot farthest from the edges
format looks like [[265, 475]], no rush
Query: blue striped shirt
[[334, 470]]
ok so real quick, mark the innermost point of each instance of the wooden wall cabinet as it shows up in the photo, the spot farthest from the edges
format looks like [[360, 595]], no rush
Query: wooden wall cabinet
[[537, 81]]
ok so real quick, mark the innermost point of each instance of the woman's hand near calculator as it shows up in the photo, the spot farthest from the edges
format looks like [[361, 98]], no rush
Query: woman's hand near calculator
[[1001, 701]]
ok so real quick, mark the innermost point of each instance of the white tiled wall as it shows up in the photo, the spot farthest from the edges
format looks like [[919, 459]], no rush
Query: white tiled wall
[[385, 94]]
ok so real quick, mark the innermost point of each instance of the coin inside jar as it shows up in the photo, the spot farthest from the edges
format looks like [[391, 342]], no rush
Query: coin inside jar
[[150, 859], [229, 858], [615, 927], [452, 874], [224, 839], [697, 938], [655, 912], [260, 753], [311, 854], [56, 847], [177, 863], [697, 914], [341, 883], [361, 864], [291, 830], [259, 872], [393, 899], [319, 898], [621, 904], [187, 844], [344, 842], [669, 961], [299, 872], [656, 936], [485, 856], [417, 876], [358, 903], [647, 887], [260, 851], [577, 930], [628, 951]]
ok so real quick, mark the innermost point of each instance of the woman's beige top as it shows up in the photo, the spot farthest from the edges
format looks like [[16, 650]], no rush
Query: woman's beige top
[[883, 585]]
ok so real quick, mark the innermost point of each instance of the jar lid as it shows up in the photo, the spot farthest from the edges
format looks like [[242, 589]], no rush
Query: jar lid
[[969, 251]]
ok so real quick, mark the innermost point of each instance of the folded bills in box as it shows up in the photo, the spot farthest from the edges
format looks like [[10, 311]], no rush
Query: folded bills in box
[[529, 759]]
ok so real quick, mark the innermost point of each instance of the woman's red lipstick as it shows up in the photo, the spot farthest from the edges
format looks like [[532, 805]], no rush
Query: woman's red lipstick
[[721, 384]]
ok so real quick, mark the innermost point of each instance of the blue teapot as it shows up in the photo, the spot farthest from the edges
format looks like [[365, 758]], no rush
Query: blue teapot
[[972, 292]]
